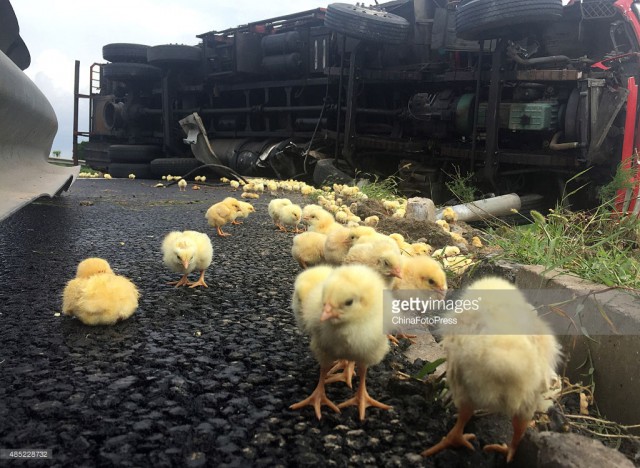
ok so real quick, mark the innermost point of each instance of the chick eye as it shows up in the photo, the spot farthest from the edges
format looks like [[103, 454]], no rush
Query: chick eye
[[349, 302], [431, 282]]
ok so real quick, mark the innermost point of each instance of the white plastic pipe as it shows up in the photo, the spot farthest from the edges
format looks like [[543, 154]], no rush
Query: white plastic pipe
[[487, 208]]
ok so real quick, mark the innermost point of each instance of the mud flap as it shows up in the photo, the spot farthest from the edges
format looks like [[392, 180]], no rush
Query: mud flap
[[28, 125]]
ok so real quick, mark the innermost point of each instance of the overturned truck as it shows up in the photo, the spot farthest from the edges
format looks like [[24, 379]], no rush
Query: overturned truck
[[525, 94]]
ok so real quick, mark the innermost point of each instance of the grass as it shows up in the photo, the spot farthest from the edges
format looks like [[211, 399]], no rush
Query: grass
[[601, 245], [381, 188], [87, 169], [461, 187]]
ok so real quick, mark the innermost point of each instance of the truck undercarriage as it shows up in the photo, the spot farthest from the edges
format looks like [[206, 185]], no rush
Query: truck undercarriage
[[524, 94]]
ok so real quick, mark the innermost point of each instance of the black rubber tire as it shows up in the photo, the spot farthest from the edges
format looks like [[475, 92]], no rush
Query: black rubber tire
[[366, 23], [124, 52], [130, 72], [137, 154], [174, 53], [491, 19], [173, 166], [122, 171], [326, 173]]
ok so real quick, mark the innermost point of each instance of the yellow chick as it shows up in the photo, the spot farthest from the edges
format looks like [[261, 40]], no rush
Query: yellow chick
[[250, 195], [107, 176], [97, 296], [344, 317], [421, 248], [169, 178], [234, 184], [476, 242], [272, 186], [342, 217], [422, 273], [290, 215], [501, 357], [224, 180], [222, 213], [184, 252], [245, 210], [457, 238], [449, 215], [164, 177], [182, 184], [306, 190], [318, 219], [383, 257], [444, 225], [132, 176], [337, 245], [371, 221], [203, 178], [399, 213], [274, 211], [404, 246], [448, 251], [302, 287], [458, 264], [308, 248]]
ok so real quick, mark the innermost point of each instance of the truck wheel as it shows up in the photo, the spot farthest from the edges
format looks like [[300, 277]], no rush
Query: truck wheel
[[326, 172], [173, 53], [173, 166], [123, 52], [366, 23], [491, 19], [130, 72], [122, 171], [138, 154]]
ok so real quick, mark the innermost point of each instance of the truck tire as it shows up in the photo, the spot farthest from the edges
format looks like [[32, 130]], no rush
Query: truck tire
[[123, 52], [173, 166], [366, 23], [326, 172], [491, 19], [138, 154], [130, 72], [173, 53], [122, 171]]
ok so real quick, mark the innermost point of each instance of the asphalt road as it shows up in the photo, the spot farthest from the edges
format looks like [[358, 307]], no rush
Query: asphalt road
[[195, 377]]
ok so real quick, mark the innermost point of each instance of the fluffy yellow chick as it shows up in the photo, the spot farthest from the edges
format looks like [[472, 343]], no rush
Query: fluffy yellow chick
[[457, 238], [449, 215], [245, 210], [304, 284], [383, 257], [274, 211], [234, 184], [250, 195], [421, 248], [107, 176], [422, 273], [399, 213], [203, 178], [458, 264], [337, 245], [344, 317], [272, 186], [222, 213], [318, 219], [97, 296], [371, 221], [224, 180], [290, 215], [308, 248], [404, 246], [444, 225], [501, 358], [182, 185], [184, 252], [448, 251], [476, 242], [132, 176], [342, 217]]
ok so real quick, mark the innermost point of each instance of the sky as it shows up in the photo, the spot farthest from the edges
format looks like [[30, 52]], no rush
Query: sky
[[58, 33]]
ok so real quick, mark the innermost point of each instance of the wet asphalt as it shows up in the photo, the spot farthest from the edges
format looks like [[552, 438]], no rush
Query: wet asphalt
[[196, 377]]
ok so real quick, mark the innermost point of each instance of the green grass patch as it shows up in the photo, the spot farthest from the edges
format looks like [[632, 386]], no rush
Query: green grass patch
[[461, 186], [601, 245], [381, 188]]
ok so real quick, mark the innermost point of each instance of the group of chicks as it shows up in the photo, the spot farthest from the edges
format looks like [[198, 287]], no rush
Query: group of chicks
[[338, 302]]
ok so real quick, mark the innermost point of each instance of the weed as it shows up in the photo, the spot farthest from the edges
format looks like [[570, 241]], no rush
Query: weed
[[381, 189], [460, 186]]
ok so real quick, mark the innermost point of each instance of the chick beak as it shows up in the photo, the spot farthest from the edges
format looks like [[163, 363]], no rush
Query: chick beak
[[397, 273], [442, 292], [185, 263], [328, 312]]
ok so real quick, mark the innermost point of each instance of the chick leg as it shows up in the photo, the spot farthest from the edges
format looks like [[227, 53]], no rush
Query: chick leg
[[362, 399], [235, 221], [281, 227], [406, 337], [346, 376], [182, 282], [456, 436], [297, 230], [318, 397], [200, 281], [222, 234], [394, 340], [519, 427]]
